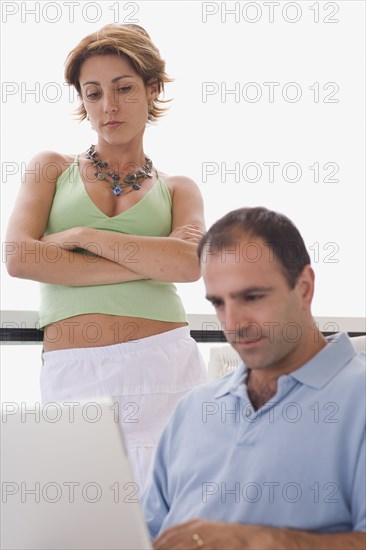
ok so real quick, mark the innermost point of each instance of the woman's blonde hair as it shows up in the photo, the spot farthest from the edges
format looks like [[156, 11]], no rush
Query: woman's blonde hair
[[131, 41]]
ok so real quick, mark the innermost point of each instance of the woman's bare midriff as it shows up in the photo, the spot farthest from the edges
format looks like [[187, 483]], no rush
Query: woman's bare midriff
[[92, 330]]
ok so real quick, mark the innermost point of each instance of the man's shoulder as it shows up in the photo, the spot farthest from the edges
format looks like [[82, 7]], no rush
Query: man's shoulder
[[355, 369], [337, 368], [354, 375]]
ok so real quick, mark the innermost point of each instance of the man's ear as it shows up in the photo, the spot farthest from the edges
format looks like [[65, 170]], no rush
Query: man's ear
[[305, 286]]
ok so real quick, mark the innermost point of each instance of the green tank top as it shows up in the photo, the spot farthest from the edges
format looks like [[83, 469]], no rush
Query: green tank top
[[151, 216]]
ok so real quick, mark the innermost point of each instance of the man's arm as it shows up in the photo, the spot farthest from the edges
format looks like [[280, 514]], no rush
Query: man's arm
[[154, 500], [198, 533], [218, 535]]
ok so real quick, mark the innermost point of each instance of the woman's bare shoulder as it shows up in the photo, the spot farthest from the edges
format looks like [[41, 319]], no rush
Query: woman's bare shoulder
[[173, 182], [53, 156], [51, 162]]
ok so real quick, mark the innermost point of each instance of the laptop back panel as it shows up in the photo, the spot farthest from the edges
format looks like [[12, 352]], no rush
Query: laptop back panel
[[66, 481]]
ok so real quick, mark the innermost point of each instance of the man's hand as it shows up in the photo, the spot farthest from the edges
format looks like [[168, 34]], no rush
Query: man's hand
[[214, 535]]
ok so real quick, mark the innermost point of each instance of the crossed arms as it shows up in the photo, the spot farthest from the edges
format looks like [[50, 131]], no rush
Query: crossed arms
[[171, 258]]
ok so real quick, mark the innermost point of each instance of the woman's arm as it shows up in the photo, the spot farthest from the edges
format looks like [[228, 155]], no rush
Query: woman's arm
[[170, 258], [27, 257]]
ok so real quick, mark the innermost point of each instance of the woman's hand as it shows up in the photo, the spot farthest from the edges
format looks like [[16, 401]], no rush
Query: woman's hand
[[188, 232], [70, 239]]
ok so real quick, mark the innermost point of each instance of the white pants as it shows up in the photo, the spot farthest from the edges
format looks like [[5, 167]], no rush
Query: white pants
[[145, 377]]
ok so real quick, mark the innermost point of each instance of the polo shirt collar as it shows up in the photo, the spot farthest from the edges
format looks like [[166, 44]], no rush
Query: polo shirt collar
[[321, 368], [232, 381], [315, 373]]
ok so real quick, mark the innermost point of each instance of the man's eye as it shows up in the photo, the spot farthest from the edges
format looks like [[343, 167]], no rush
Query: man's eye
[[217, 303], [254, 297]]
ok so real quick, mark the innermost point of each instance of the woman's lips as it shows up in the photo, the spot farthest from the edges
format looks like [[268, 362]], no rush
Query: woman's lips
[[113, 124]]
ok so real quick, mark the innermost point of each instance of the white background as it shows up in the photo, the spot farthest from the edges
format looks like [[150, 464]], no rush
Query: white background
[[203, 45]]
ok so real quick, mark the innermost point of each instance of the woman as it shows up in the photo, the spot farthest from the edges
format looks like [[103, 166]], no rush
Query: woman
[[111, 234]]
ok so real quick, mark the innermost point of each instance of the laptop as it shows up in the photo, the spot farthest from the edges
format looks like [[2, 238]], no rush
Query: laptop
[[65, 479]]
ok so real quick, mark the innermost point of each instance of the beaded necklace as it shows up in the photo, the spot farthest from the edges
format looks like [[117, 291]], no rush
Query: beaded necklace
[[133, 180]]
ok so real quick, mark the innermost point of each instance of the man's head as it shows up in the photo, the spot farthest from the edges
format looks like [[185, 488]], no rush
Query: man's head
[[258, 276], [278, 232]]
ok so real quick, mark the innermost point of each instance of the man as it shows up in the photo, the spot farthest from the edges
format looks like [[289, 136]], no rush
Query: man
[[273, 455]]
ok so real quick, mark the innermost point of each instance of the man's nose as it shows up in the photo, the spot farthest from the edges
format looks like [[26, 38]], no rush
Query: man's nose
[[234, 318]]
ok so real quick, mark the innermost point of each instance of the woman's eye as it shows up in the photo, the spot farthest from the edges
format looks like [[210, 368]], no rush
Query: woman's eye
[[92, 95], [125, 89]]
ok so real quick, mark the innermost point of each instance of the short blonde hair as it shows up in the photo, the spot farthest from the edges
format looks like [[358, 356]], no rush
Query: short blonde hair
[[130, 41]]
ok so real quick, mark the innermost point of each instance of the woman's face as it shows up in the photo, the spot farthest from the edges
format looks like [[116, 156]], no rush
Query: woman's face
[[115, 98]]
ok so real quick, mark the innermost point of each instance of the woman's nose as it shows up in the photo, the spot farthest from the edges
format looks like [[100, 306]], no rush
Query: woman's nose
[[110, 102]]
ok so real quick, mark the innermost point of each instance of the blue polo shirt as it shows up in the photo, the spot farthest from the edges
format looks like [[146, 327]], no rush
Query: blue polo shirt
[[298, 462]]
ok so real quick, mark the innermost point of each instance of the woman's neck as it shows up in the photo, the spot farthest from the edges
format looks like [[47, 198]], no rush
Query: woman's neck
[[121, 158]]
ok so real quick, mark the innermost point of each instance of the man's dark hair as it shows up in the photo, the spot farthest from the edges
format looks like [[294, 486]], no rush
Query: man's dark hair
[[276, 230]]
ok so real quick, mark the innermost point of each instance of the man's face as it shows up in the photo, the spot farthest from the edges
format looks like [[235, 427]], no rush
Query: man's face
[[262, 317]]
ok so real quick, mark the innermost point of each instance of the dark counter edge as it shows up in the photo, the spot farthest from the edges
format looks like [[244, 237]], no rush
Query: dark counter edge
[[27, 335]]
